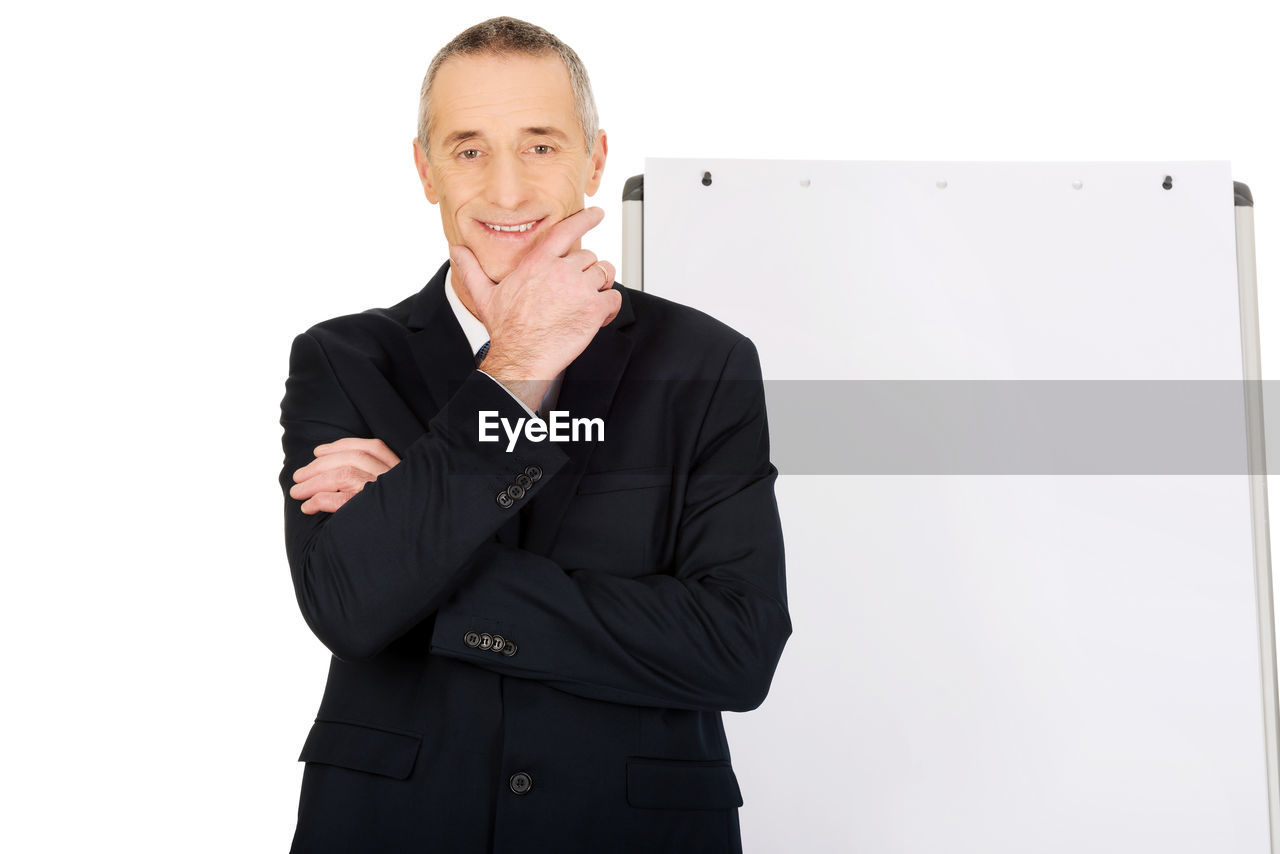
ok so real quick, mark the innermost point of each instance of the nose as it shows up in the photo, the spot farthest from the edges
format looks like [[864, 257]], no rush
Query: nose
[[508, 186]]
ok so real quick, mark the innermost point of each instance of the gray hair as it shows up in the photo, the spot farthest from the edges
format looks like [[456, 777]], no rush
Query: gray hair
[[506, 35]]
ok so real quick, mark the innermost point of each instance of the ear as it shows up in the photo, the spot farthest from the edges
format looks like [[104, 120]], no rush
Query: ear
[[596, 163], [424, 172]]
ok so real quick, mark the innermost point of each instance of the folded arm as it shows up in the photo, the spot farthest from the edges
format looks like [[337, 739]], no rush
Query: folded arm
[[387, 559], [705, 633]]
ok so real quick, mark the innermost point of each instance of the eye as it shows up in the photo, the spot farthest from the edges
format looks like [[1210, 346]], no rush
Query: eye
[[547, 147], [464, 154]]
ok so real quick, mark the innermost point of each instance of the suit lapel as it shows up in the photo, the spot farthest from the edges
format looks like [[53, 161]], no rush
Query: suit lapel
[[439, 347]]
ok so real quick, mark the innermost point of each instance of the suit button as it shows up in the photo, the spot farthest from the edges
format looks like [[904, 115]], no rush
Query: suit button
[[504, 500], [515, 491], [486, 640], [508, 648], [524, 481], [534, 473], [520, 783], [471, 639], [498, 643]]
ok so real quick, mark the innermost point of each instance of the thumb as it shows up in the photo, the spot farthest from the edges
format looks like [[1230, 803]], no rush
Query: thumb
[[473, 277]]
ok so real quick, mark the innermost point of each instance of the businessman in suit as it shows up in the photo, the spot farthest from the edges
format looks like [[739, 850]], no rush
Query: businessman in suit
[[532, 640]]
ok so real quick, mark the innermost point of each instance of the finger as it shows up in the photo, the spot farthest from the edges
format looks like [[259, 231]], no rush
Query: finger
[[327, 482], [474, 278], [609, 274], [614, 300], [374, 447], [343, 479], [371, 465], [325, 502], [568, 231]]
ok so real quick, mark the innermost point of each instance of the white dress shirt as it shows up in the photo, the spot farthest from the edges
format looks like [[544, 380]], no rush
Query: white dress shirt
[[477, 335]]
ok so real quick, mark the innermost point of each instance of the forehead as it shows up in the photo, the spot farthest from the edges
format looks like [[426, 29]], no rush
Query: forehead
[[497, 93]]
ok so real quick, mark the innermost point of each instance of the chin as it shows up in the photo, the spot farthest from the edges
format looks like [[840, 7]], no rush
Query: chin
[[498, 269]]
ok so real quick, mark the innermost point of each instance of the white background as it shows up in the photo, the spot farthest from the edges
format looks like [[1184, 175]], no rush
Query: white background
[[185, 187]]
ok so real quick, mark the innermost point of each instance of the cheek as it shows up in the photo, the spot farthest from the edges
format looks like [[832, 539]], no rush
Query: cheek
[[452, 189], [454, 207], [560, 181]]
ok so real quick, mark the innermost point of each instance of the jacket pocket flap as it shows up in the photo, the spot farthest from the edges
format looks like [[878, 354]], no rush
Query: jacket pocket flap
[[362, 748], [621, 479], [682, 785]]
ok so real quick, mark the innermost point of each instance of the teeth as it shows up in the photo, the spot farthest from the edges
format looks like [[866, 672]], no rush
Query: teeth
[[525, 227]]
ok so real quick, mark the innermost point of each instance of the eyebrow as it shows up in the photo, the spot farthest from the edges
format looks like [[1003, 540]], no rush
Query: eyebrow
[[463, 135]]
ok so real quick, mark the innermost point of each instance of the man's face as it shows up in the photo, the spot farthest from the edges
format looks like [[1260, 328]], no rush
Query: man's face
[[506, 149]]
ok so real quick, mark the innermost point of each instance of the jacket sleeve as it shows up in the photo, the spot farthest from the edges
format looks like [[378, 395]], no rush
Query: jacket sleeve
[[386, 560], [707, 634]]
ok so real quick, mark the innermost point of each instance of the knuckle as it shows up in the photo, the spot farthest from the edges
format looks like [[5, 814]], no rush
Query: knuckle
[[349, 474], [330, 501]]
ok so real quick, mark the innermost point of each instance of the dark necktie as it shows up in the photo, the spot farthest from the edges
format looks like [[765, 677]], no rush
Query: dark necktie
[[480, 354]]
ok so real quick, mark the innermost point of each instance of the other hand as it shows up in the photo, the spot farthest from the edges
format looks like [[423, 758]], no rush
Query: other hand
[[339, 471]]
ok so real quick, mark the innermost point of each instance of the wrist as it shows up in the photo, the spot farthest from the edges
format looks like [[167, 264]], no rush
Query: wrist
[[518, 380], [529, 392]]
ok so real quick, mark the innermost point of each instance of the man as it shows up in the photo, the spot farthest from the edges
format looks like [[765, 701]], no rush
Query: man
[[532, 640]]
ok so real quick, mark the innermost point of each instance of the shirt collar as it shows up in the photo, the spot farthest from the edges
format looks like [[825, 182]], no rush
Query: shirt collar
[[471, 325]]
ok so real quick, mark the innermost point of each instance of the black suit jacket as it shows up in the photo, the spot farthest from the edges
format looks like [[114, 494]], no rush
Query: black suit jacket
[[531, 649]]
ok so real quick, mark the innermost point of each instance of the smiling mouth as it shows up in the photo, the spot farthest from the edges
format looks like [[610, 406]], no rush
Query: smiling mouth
[[513, 230]]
